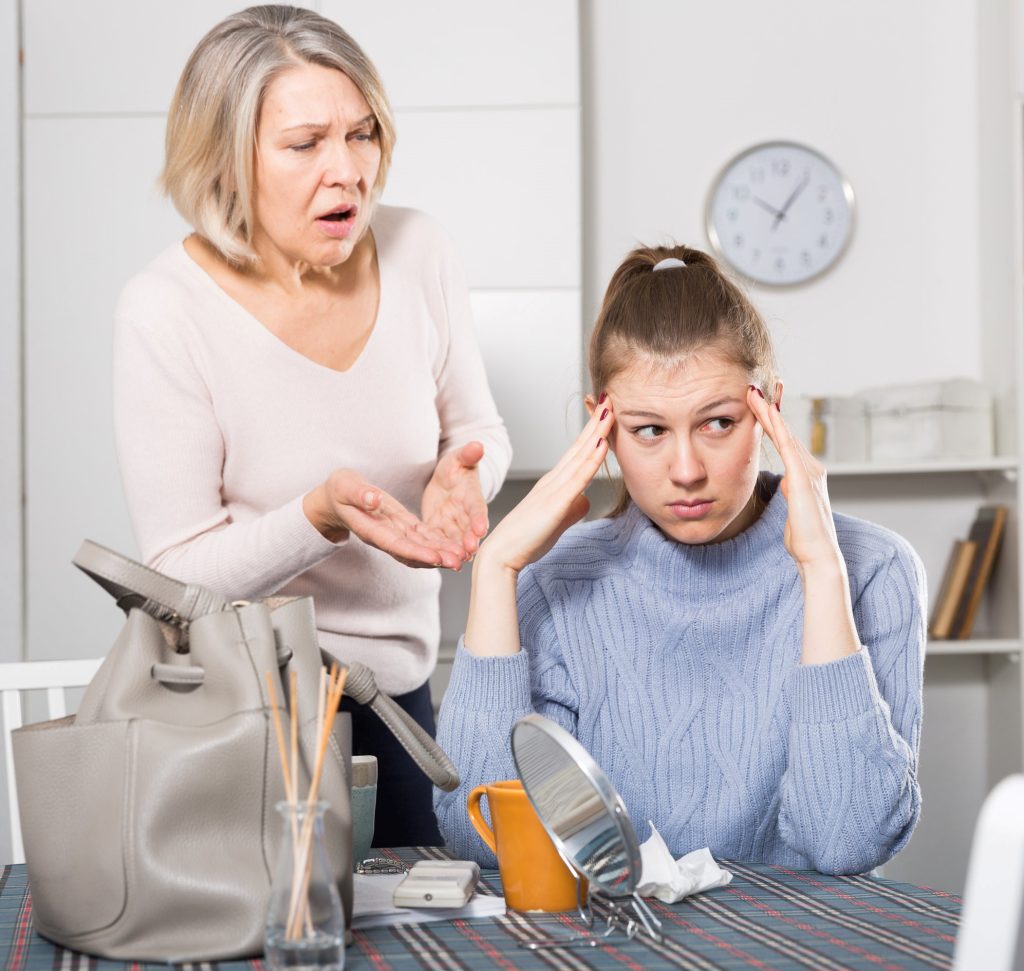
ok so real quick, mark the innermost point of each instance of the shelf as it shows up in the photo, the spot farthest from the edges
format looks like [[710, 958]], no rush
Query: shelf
[[1004, 464], [1001, 463], [979, 646]]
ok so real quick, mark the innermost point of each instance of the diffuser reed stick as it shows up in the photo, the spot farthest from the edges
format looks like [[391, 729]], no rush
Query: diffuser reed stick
[[331, 690]]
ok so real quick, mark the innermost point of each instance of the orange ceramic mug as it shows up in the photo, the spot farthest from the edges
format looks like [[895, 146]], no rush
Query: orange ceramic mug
[[534, 876]]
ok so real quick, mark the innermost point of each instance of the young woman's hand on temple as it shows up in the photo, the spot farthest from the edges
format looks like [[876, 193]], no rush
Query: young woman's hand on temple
[[810, 535], [554, 503]]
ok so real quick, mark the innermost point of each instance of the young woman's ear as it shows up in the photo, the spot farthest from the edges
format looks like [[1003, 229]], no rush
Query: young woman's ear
[[591, 404], [778, 393]]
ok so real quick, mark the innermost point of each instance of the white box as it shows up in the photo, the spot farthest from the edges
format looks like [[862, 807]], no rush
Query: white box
[[949, 419]]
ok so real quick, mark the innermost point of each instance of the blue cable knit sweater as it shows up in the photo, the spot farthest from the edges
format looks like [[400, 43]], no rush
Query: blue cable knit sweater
[[678, 668]]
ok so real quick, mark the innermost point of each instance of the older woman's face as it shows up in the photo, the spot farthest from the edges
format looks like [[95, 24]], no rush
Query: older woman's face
[[317, 157], [687, 445]]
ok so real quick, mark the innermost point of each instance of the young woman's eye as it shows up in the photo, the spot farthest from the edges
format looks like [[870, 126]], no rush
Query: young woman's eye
[[648, 432], [720, 424]]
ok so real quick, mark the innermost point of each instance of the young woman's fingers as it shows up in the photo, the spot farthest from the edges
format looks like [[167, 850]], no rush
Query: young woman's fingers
[[584, 457], [770, 419], [597, 426]]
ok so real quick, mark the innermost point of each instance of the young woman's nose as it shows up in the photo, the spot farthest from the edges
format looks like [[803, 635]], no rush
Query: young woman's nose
[[687, 468]]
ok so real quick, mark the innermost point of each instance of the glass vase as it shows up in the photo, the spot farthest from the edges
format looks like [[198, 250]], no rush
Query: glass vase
[[305, 928]]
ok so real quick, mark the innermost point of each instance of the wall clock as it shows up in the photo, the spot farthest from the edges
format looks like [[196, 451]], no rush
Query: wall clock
[[780, 213]]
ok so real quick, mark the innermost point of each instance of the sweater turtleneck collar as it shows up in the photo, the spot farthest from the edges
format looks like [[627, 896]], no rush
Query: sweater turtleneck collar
[[708, 568]]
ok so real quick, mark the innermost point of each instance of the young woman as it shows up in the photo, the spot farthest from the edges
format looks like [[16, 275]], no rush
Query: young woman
[[744, 664]]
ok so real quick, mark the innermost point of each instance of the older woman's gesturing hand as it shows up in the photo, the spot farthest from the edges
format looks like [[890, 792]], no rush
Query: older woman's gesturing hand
[[453, 503], [347, 503]]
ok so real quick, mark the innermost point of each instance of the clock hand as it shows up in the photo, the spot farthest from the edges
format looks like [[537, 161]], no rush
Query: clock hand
[[781, 214], [764, 205]]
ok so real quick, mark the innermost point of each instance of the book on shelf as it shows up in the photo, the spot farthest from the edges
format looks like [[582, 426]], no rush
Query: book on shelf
[[951, 590], [987, 532]]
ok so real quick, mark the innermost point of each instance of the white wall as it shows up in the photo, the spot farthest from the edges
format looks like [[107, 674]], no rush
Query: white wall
[[887, 90]]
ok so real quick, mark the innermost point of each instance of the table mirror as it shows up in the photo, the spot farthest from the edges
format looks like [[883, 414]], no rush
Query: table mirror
[[585, 818]]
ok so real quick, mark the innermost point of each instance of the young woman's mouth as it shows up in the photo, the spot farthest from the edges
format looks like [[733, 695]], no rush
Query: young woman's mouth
[[338, 222], [690, 509]]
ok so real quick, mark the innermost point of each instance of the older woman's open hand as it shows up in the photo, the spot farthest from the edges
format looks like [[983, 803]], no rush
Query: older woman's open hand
[[347, 503], [453, 503]]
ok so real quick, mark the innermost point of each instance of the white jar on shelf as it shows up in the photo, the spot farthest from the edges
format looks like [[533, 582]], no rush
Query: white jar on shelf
[[833, 428]]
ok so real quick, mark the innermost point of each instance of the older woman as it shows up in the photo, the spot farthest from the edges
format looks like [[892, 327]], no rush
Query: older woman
[[300, 404]]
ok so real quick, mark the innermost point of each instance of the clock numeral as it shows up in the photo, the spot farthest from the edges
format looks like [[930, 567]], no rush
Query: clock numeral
[[823, 240], [805, 258], [733, 215], [830, 215], [741, 192], [738, 239], [780, 167], [780, 264], [822, 193]]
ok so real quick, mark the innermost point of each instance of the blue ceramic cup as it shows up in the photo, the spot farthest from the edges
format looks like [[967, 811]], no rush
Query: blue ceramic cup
[[364, 804]]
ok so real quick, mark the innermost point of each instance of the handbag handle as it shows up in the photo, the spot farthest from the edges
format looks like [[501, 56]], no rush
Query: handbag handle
[[133, 585], [361, 686]]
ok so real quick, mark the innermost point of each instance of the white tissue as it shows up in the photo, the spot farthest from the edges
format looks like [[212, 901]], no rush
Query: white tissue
[[670, 880]]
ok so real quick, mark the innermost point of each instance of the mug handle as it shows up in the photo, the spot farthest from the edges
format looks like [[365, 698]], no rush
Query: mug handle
[[477, 819]]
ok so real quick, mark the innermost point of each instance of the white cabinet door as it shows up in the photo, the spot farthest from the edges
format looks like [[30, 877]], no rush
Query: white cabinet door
[[504, 184], [94, 218], [10, 342], [110, 56], [467, 52], [530, 342]]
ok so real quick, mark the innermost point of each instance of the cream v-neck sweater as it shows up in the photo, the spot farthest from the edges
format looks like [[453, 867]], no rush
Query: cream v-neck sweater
[[222, 429]]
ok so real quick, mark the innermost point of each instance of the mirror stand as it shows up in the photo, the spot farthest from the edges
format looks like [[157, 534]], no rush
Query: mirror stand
[[630, 915]]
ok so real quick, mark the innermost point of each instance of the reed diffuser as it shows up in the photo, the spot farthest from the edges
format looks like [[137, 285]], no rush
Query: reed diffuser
[[305, 928]]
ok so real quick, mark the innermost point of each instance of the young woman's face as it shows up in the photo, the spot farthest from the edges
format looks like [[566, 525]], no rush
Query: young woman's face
[[688, 445], [316, 164]]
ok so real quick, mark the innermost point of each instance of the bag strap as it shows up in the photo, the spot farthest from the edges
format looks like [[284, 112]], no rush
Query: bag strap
[[361, 687], [133, 585]]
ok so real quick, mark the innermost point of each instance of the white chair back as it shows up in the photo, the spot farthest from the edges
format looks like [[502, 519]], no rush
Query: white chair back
[[53, 677], [991, 934]]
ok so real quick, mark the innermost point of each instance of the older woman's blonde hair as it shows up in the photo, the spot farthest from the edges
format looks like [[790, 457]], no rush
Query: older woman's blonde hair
[[211, 127]]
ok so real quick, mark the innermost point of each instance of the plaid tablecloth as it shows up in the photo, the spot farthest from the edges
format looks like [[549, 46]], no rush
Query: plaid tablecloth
[[768, 917]]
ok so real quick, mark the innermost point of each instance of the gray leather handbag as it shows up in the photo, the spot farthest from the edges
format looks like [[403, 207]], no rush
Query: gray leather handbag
[[148, 818]]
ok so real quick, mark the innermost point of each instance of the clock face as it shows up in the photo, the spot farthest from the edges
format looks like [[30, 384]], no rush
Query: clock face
[[780, 213]]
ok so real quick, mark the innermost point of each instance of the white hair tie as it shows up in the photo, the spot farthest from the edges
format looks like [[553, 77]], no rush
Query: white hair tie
[[668, 263]]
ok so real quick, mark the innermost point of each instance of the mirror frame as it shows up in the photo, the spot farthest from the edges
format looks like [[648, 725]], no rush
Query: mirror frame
[[606, 793]]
